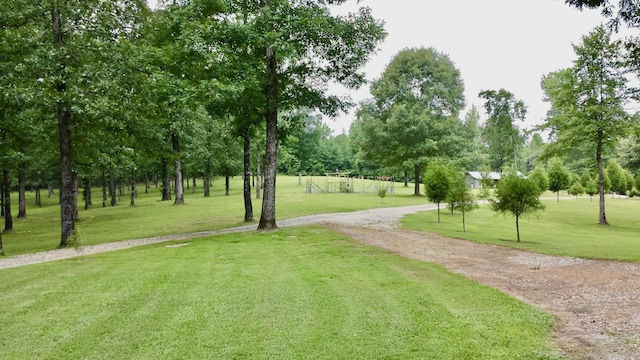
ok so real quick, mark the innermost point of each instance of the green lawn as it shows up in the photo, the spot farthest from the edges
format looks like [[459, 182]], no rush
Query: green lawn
[[152, 217], [300, 293], [569, 227]]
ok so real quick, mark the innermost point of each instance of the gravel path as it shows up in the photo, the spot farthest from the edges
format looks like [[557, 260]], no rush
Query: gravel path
[[596, 303], [384, 217]]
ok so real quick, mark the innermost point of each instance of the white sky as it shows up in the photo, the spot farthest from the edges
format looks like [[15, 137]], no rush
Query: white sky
[[495, 44]]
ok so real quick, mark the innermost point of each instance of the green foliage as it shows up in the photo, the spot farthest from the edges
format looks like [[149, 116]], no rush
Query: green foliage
[[518, 197], [501, 132], [629, 180], [576, 189], [588, 101], [585, 177], [617, 177], [437, 183], [591, 188], [413, 116], [539, 176], [559, 177], [382, 193], [474, 151], [461, 198]]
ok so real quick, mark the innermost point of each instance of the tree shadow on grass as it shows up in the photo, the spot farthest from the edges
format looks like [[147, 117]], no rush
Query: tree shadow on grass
[[516, 241]]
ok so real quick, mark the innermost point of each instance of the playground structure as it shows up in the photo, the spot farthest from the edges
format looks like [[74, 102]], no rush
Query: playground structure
[[344, 183]]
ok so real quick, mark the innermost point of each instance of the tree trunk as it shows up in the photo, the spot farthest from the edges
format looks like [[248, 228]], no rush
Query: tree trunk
[[416, 169], [68, 206], [49, 190], [1, 248], [2, 198], [206, 180], [89, 197], [87, 193], [248, 206], [134, 190], [518, 228], [112, 188], [22, 192], [166, 182], [146, 182], [38, 197], [177, 171], [76, 191], [268, 215], [602, 215], [226, 181], [258, 172], [6, 187], [104, 190], [179, 192], [438, 213], [464, 229], [406, 178]]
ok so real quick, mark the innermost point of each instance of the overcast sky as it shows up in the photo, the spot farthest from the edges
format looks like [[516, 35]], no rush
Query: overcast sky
[[495, 44]]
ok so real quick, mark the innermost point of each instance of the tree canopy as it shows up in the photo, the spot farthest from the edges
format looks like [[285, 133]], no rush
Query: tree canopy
[[413, 116], [518, 197], [502, 134], [587, 101]]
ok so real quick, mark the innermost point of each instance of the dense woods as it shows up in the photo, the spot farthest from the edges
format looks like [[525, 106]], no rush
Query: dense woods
[[111, 94]]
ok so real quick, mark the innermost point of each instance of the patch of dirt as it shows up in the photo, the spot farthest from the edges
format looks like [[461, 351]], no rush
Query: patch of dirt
[[596, 303]]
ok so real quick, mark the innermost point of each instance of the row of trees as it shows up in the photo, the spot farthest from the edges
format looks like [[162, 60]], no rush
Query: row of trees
[[97, 91]]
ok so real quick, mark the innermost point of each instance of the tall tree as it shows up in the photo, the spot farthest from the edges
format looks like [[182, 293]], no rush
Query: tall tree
[[475, 154], [414, 115], [587, 102], [68, 46], [305, 47], [501, 131]]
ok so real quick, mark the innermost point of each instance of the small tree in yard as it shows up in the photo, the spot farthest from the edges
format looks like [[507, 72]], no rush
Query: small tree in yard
[[539, 177], [591, 188], [462, 199], [518, 197], [437, 184], [382, 193], [559, 177], [576, 189]]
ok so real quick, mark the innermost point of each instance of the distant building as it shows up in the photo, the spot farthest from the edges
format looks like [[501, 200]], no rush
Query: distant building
[[474, 178]]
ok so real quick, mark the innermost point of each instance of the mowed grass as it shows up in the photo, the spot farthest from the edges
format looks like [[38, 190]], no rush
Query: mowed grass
[[569, 228], [151, 217], [299, 293]]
